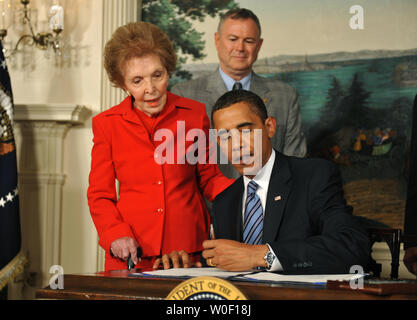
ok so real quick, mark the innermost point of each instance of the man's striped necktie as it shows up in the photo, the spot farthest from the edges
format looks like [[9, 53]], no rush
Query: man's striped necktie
[[253, 219]]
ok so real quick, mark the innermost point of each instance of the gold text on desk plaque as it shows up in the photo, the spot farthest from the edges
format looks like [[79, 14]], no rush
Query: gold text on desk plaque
[[206, 288]]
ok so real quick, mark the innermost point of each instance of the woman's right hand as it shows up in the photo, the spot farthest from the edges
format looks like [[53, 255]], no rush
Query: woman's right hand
[[176, 259], [123, 247]]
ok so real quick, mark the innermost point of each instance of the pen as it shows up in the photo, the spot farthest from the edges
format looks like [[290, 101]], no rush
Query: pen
[[212, 236], [130, 263]]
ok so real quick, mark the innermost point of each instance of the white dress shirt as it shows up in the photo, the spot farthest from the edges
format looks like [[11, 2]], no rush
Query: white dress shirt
[[229, 82], [262, 180]]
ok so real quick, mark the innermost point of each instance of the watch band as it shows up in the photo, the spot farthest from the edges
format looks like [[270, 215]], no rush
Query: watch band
[[269, 258]]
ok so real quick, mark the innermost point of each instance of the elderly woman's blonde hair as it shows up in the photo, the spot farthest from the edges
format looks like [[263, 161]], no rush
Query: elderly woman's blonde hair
[[135, 40]]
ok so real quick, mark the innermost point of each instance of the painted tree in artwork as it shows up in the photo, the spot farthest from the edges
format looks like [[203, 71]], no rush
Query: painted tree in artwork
[[331, 114], [355, 105], [175, 18]]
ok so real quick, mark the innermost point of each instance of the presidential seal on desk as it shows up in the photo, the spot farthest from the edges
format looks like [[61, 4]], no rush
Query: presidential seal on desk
[[206, 288]]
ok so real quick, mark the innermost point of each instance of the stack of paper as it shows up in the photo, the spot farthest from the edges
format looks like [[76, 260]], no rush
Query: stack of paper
[[249, 275]]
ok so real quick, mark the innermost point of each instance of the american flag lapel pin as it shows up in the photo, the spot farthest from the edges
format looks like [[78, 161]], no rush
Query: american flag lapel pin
[[277, 198]]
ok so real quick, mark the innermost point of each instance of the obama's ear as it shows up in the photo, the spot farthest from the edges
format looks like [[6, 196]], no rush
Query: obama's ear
[[271, 126]]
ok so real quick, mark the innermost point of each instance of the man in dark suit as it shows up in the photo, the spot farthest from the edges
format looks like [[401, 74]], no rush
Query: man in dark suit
[[238, 41], [410, 221], [285, 213]]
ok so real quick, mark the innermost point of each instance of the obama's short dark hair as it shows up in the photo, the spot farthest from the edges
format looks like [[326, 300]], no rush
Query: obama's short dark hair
[[254, 102]]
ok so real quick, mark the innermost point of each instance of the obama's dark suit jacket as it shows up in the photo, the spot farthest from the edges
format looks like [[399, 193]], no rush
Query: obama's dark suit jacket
[[307, 222]]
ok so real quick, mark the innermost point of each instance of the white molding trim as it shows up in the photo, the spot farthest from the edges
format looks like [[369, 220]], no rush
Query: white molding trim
[[68, 113], [40, 132]]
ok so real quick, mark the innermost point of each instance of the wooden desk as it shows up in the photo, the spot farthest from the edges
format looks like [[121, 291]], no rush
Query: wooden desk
[[117, 285]]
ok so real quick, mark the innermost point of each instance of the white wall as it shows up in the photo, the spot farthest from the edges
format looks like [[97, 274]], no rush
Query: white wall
[[76, 79]]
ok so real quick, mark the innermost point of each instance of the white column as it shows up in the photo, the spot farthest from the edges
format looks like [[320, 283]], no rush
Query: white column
[[116, 13]]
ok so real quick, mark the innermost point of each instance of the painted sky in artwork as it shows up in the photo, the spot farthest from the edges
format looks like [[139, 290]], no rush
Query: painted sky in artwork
[[322, 26]]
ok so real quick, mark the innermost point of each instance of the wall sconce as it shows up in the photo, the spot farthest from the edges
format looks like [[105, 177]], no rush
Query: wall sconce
[[42, 40]]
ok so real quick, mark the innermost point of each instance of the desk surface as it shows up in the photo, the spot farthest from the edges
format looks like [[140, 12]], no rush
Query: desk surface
[[118, 285]]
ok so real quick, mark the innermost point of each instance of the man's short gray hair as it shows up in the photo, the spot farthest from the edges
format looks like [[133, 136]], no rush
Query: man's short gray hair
[[239, 13]]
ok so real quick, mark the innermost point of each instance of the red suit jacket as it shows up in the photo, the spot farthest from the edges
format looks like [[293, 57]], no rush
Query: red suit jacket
[[159, 205]]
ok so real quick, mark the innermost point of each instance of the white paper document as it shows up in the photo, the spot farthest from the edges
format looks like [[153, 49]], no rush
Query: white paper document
[[195, 272], [249, 275], [313, 278]]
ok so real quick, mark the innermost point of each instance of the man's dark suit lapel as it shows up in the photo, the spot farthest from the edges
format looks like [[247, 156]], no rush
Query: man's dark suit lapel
[[229, 213], [278, 192]]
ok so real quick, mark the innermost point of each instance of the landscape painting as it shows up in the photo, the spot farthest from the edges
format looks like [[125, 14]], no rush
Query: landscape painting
[[356, 85]]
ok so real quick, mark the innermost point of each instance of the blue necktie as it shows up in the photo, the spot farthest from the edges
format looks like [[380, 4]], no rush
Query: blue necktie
[[253, 220]]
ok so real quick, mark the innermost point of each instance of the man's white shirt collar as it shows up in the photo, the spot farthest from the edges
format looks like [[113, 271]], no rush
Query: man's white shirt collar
[[263, 176], [229, 82]]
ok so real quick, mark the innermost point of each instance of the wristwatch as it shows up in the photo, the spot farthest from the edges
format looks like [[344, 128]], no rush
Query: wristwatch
[[269, 258]]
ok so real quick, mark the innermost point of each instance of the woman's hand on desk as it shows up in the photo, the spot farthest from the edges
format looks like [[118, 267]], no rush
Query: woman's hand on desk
[[176, 259], [123, 247]]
